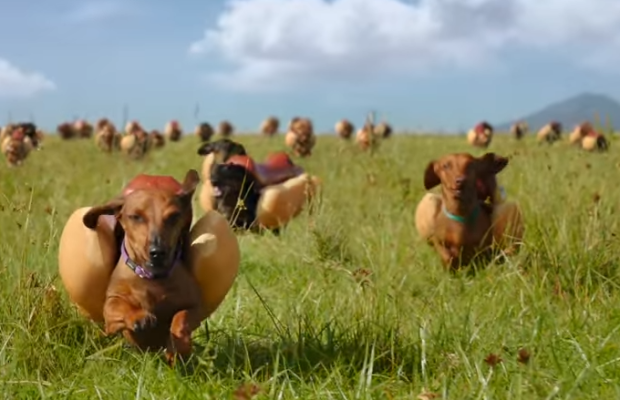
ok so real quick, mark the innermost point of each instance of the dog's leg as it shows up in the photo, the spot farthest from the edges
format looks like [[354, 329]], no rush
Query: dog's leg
[[119, 314], [444, 253], [180, 342]]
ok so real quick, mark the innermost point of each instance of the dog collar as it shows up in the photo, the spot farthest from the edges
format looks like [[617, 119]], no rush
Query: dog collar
[[463, 220], [143, 272]]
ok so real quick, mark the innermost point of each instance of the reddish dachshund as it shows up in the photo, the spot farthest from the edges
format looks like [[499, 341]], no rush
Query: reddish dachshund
[[462, 228], [152, 297]]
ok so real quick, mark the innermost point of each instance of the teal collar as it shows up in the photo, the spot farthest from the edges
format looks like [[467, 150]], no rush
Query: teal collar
[[463, 220]]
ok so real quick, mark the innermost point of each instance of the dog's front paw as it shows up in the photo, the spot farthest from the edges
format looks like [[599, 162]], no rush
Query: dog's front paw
[[143, 321], [112, 328], [178, 348]]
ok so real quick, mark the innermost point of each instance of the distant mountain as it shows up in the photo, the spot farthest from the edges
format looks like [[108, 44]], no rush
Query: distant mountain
[[571, 112]]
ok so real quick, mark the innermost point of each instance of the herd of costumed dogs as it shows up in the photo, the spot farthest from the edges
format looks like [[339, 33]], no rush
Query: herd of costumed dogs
[[583, 135], [92, 239], [17, 140], [135, 141]]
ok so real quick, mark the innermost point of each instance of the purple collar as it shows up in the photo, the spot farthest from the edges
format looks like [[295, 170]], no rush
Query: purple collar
[[143, 272]]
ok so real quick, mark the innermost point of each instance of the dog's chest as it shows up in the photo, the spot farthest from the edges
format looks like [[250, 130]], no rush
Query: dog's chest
[[166, 297], [463, 242]]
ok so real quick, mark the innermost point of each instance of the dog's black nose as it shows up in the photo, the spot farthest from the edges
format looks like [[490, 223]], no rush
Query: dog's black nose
[[459, 181], [156, 253]]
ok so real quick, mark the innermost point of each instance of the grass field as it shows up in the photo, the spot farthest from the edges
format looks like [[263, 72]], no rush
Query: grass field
[[347, 303]]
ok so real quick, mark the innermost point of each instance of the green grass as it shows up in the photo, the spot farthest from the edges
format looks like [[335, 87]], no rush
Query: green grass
[[300, 322]]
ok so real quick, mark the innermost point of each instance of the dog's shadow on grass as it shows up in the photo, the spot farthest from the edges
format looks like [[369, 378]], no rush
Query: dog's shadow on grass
[[304, 352]]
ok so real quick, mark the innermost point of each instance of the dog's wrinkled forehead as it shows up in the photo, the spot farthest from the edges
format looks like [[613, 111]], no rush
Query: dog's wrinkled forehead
[[146, 182], [455, 163], [155, 201]]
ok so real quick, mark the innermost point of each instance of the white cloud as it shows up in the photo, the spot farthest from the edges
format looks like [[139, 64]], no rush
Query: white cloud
[[286, 41], [15, 82], [92, 11]]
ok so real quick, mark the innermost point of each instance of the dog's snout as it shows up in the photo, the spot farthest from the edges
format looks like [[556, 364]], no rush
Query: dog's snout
[[156, 249], [156, 252], [459, 180]]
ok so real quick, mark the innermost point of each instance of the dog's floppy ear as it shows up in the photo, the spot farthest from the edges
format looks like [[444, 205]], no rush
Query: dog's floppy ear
[[206, 149], [189, 184], [493, 163], [110, 208], [214, 168], [430, 176], [239, 150], [233, 148]]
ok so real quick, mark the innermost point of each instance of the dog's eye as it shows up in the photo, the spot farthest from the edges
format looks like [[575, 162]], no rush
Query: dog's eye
[[135, 218], [447, 165], [173, 218]]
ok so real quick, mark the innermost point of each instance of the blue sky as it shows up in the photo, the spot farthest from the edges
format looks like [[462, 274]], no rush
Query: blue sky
[[424, 64]]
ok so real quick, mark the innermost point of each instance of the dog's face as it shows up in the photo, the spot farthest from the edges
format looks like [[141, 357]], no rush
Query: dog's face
[[108, 132], [226, 128], [102, 123], [16, 151], [140, 134], [236, 193], [29, 128], [222, 150], [155, 220], [459, 173], [270, 125]]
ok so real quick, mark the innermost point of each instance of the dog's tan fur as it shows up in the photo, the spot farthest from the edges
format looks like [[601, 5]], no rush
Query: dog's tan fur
[[344, 129], [65, 131], [292, 122], [481, 135], [300, 137], [102, 123], [156, 140], [281, 203], [225, 129], [593, 141], [135, 144], [173, 131], [518, 130], [579, 132], [459, 243], [291, 137], [270, 126], [370, 135], [204, 131], [132, 127], [382, 130], [364, 137], [548, 134], [87, 258], [6, 131], [141, 308], [106, 137], [16, 148], [83, 129]]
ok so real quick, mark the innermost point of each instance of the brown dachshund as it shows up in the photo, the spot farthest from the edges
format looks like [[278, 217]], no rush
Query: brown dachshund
[[463, 227], [16, 147], [270, 126], [481, 135], [153, 298]]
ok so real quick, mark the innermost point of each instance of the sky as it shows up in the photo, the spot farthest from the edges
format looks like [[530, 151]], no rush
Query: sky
[[420, 64]]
